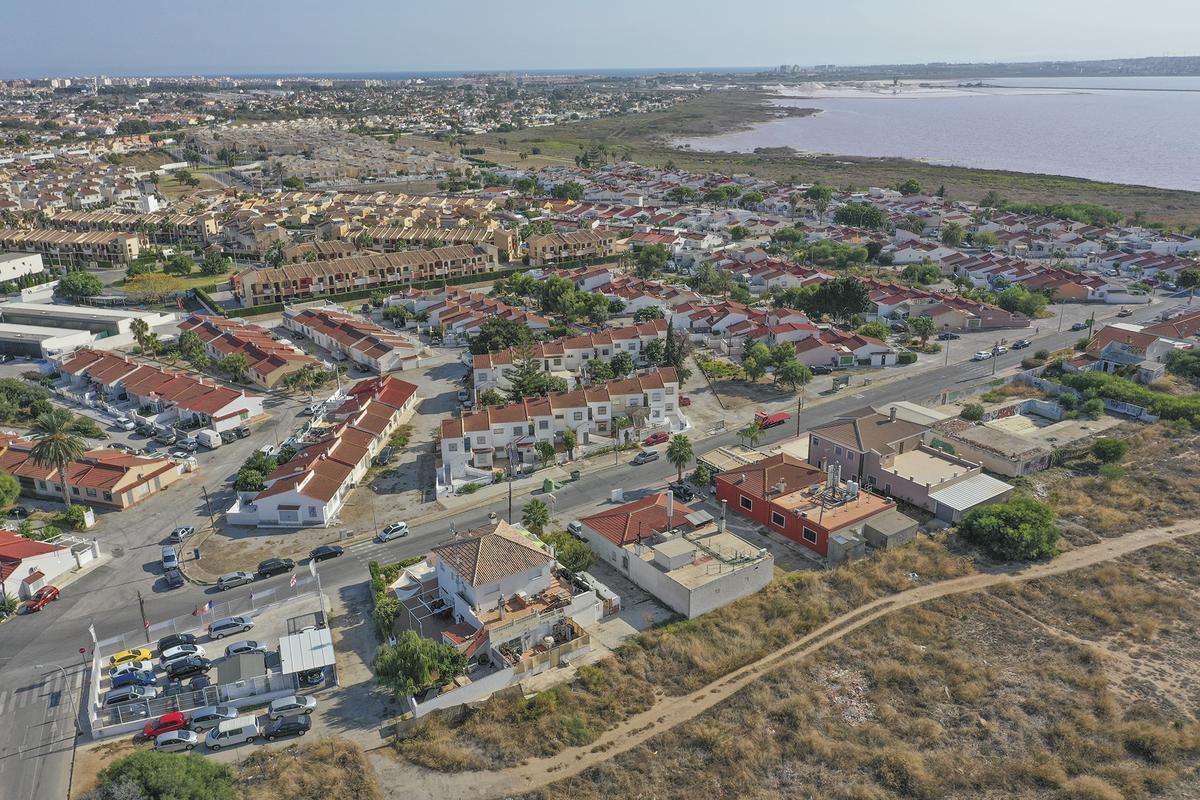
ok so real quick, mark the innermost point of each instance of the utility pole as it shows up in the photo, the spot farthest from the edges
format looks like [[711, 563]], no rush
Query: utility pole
[[70, 693], [142, 608], [1062, 309], [799, 409], [212, 519]]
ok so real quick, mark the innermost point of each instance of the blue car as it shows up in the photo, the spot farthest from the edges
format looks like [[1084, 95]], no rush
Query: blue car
[[141, 678]]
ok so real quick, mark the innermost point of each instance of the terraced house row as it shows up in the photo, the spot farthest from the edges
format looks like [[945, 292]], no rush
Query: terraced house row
[[161, 227], [293, 282], [93, 248], [268, 360], [477, 439], [354, 338]]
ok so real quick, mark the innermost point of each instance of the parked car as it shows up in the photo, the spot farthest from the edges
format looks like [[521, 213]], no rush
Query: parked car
[[124, 424], [1124, 312], [131, 666], [385, 457], [174, 578], [1021, 344], [210, 717], [165, 724], [199, 682], [291, 706], [1078, 326], [179, 534], [170, 557], [121, 446], [174, 640], [982, 355], [232, 732], [396, 530], [682, 492], [684, 400], [179, 454], [275, 566], [325, 551], [463, 395], [899, 327], [288, 726], [125, 656], [999, 350], [129, 694], [178, 653], [232, 579], [228, 437], [41, 597], [176, 741], [946, 336], [821, 369], [165, 436], [658, 437], [229, 626], [241, 648], [139, 678], [16, 512], [188, 667], [575, 528], [241, 432], [645, 457]]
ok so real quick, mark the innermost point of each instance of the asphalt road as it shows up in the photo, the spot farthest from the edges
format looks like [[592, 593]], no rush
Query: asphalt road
[[37, 703]]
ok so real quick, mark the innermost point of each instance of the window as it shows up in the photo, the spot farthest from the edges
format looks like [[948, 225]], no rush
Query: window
[[75, 490], [91, 492], [41, 484], [312, 512], [849, 455], [497, 430], [601, 411], [480, 439], [452, 447], [810, 536], [543, 424], [746, 502], [778, 519], [108, 496], [837, 451], [518, 430], [577, 416]]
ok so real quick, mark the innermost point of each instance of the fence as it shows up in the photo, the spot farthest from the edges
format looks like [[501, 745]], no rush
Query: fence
[[244, 692]]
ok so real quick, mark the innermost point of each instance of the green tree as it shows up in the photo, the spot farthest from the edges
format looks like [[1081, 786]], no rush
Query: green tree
[[653, 352], [415, 663], [574, 555], [909, 187], [499, 333], [741, 294], [569, 190], [649, 314], [922, 327], [492, 397], [820, 196], [141, 330], [842, 298], [792, 374], [972, 412], [215, 264], [754, 368], [535, 516], [179, 264], [149, 775], [1109, 450], [294, 182], [752, 433], [274, 255], [57, 444], [235, 366], [986, 240], [861, 215], [739, 232], [924, 273], [569, 441], [952, 234], [10, 489], [651, 259], [248, 480], [876, 330], [599, 370], [1020, 529], [622, 364], [398, 315], [545, 452], [1093, 408], [1018, 299], [679, 452], [78, 285], [701, 476]]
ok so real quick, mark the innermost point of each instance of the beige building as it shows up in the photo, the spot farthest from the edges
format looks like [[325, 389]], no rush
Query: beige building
[[571, 246]]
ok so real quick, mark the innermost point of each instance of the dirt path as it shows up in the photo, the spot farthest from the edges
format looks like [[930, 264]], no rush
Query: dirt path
[[668, 712]]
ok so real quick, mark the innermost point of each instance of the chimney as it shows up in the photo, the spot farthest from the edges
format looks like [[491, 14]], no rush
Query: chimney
[[721, 524], [892, 414], [670, 510]]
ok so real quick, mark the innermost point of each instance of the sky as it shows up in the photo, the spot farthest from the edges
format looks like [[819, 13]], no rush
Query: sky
[[135, 37]]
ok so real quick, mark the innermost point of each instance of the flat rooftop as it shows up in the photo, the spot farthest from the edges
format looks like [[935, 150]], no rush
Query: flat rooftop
[[716, 555], [725, 459], [57, 311], [833, 516], [11, 332], [924, 467]]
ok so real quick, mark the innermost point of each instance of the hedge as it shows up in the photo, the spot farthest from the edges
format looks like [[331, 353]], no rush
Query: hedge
[[1112, 387], [906, 358]]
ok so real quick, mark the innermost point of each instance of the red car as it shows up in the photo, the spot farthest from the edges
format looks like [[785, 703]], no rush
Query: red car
[[684, 400], [658, 437], [41, 597], [166, 723]]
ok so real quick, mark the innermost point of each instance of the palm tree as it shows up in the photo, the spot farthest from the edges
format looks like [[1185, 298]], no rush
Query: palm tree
[[535, 516], [752, 433], [57, 444], [679, 452], [140, 331]]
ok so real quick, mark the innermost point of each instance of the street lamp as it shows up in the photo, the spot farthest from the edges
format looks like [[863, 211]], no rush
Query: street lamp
[[70, 692]]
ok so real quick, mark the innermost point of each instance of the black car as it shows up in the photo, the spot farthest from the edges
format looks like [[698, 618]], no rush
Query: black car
[[241, 432], [947, 336], [187, 667], [275, 566], [1021, 344], [682, 493], [174, 640], [18, 511], [820, 369], [325, 551], [288, 726], [174, 578]]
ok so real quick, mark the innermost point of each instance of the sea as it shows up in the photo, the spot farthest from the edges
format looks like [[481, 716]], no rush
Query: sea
[[1125, 130]]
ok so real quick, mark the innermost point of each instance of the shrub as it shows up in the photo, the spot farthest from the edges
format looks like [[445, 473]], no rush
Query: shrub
[[574, 555], [1093, 408], [10, 489], [1109, 450], [972, 412], [1021, 529], [468, 488], [1112, 472], [414, 664], [72, 517], [906, 357], [1042, 355], [167, 775]]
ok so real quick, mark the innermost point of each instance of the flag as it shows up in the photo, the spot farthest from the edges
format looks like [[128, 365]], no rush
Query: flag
[[312, 568], [92, 631], [207, 607], [292, 582], [147, 626], [195, 611]]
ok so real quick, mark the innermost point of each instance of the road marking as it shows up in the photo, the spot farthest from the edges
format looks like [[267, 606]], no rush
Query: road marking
[[3, 696]]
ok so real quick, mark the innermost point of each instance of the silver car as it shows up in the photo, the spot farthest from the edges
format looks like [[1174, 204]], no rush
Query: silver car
[[210, 717], [248, 646], [175, 741], [291, 706], [229, 626], [234, 579]]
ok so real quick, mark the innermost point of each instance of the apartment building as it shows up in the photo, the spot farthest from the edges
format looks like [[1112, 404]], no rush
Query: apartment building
[[390, 239], [480, 438], [93, 248], [311, 488], [293, 282], [568, 357], [164, 397], [159, 228], [463, 313], [552, 248], [269, 361], [347, 336], [18, 265]]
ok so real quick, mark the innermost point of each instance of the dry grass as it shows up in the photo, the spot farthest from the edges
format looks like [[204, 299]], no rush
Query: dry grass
[[312, 770], [969, 698], [674, 660], [1161, 485]]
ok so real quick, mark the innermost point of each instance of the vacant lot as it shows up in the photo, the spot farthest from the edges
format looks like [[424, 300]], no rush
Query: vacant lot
[[1080, 687], [672, 660], [308, 770]]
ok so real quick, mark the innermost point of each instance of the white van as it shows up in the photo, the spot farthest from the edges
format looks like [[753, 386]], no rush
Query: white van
[[209, 438], [232, 732]]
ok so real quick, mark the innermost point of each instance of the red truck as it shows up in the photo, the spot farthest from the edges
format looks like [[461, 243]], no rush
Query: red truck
[[766, 420]]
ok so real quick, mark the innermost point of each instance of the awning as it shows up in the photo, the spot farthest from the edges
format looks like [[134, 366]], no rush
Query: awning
[[308, 650], [965, 495]]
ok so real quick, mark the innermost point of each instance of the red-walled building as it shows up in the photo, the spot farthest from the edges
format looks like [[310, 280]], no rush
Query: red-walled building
[[785, 495]]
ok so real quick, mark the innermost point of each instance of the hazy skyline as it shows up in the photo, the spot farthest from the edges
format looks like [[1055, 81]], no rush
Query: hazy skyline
[[302, 36]]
